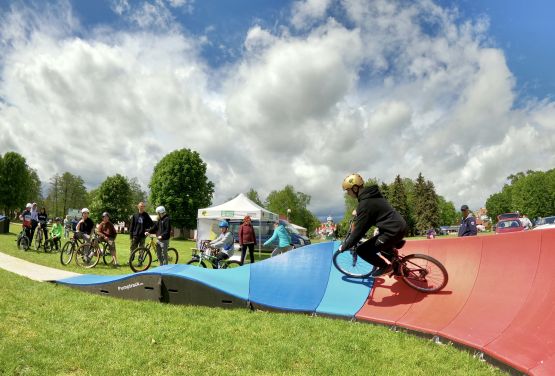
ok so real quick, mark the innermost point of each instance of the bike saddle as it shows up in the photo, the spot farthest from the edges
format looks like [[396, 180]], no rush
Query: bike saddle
[[400, 244]]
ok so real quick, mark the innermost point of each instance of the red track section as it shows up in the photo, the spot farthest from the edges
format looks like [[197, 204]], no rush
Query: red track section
[[500, 298]]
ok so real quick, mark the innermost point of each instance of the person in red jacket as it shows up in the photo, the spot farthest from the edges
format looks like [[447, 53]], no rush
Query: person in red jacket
[[247, 239]]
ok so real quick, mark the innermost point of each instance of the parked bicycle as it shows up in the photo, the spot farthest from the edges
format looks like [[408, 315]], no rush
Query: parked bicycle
[[421, 272], [140, 258], [88, 254], [69, 248], [207, 254], [22, 240]]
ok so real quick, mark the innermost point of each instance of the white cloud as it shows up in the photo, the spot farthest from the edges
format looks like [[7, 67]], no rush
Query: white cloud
[[406, 88]]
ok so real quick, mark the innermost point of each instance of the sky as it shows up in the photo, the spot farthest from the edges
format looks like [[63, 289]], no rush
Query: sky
[[275, 93]]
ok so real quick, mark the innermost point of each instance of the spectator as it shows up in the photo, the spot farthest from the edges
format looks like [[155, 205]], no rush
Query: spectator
[[34, 219], [431, 234], [74, 222], [140, 224], [26, 219], [56, 233], [283, 238], [224, 242], [247, 239], [43, 222], [85, 226], [107, 233], [163, 231], [468, 223], [67, 226], [526, 223]]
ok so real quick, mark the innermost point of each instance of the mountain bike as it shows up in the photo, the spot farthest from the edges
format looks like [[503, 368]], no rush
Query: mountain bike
[[68, 250], [88, 254], [140, 258], [22, 240], [206, 253], [39, 238], [421, 272]]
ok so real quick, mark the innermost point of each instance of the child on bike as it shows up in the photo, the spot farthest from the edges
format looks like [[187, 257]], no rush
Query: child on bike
[[163, 233], [56, 233], [85, 227], [107, 233], [373, 210], [224, 242]]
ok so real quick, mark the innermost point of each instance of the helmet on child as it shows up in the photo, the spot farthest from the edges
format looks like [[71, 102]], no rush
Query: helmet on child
[[352, 180], [28, 205], [223, 224], [85, 210], [160, 210], [106, 214]]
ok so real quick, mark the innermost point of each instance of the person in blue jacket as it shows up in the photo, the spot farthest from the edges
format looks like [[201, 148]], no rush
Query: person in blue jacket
[[468, 223], [283, 238]]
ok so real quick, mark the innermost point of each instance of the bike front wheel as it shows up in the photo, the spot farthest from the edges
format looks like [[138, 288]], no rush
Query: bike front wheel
[[423, 273], [87, 256], [140, 259], [107, 256], [47, 245], [173, 256], [66, 255], [232, 264], [23, 243], [196, 262], [349, 263]]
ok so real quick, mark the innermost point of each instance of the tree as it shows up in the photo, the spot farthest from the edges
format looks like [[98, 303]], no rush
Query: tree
[[399, 200], [280, 201], [114, 196], [137, 193], [426, 211], [253, 196], [18, 183], [447, 213], [66, 191], [179, 183]]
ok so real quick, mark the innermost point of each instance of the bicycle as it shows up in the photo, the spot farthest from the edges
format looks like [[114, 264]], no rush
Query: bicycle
[[39, 236], [140, 258], [69, 248], [421, 272], [22, 240], [206, 253], [88, 254]]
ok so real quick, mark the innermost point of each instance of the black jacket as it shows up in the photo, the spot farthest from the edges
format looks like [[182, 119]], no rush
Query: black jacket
[[140, 223], [374, 210], [162, 227], [468, 226]]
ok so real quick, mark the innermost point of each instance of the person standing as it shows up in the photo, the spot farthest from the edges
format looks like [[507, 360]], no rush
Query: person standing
[[163, 233], [283, 238], [526, 223], [108, 234], [140, 224], [56, 233], [34, 220], [43, 222], [67, 226], [247, 239], [27, 222], [468, 223]]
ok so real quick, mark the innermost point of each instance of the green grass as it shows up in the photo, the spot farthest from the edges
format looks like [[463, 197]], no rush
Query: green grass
[[55, 330]]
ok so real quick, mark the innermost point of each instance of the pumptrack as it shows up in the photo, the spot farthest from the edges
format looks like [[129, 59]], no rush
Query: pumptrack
[[500, 299]]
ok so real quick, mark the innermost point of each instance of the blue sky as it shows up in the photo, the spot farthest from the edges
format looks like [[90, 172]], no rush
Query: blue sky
[[272, 93]]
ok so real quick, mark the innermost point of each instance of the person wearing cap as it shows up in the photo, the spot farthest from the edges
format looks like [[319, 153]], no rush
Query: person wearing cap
[[107, 233], [85, 227], [224, 242], [56, 232], [163, 232], [26, 220], [247, 239], [468, 223], [140, 223]]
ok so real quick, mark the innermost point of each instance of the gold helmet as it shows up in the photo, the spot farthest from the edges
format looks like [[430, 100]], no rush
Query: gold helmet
[[352, 180]]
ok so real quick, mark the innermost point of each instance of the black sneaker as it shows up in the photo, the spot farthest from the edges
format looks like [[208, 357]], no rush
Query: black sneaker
[[381, 271]]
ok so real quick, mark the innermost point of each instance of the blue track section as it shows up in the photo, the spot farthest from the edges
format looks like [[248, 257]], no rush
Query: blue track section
[[302, 280]]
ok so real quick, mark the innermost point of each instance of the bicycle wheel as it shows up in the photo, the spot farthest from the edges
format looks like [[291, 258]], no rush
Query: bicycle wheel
[[66, 255], [140, 259], [87, 256], [232, 264], [350, 264], [196, 262], [106, 254], [23, 243], [423, 273], [38, 241], [47, 246], [173, 256]]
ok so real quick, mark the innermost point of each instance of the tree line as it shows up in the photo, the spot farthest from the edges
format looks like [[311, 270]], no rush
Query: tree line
[[531, 193]]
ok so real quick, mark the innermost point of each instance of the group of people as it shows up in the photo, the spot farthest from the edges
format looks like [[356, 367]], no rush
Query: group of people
[[34, 219]]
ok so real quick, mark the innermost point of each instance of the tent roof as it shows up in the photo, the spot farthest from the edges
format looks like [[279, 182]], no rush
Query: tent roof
[[237, 208]]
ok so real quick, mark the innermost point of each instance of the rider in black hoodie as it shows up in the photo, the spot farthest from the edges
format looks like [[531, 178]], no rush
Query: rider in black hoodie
[[373, 210]]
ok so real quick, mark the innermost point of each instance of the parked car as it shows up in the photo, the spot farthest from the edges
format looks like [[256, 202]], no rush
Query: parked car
[[509, 225], [545, 223], [503, 216]]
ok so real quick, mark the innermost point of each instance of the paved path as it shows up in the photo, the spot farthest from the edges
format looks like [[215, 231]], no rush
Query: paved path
[[32, 271]]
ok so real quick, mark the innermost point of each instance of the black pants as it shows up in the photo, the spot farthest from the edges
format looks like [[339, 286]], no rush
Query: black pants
[[244, 251], [57, 242], [368, 250], [34, 225], [137, 242]]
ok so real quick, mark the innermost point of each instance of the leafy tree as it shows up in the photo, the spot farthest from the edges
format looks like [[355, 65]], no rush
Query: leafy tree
[[533, 195], [137, 193], [18, 183], [499, 203], [66, 191], [179, 183], [114, 196], [426, 212], [447, 213], [399, 199], [254, 197], [297, 202]]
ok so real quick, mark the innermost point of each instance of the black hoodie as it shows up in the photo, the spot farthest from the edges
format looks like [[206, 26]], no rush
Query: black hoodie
[[374, 210]]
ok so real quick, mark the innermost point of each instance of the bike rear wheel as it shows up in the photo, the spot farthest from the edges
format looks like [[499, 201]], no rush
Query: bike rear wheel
[[87, 256], [196, 262], [350, 264], [48, 245], [140, 259], [232, 264], [66, 255], [173, 256], [23, 243], [423, 273], [38, 241]]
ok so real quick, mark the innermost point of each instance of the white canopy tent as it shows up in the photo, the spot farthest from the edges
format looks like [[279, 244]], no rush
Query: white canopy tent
[[233, 210]]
